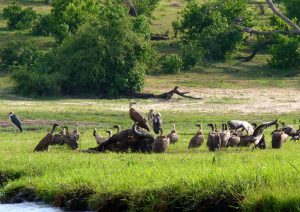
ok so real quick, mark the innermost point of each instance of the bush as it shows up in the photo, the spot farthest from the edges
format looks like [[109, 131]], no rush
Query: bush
[[106, 56], [43, 26], [210, 27], [191, 55], [145, 7], [18, 53], [19, 18], [68, 15], [172, 64], [293, 8], [286, 52]]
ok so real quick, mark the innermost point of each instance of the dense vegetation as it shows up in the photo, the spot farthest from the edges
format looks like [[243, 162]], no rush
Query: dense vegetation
[[207, 33]]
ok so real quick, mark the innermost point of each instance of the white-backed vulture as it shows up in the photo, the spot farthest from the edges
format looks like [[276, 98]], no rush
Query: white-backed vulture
[[213, 139], [198, 139], [278, 138], [173, 136], [157, 123], [43, 145], [161, 143], [224, 135]]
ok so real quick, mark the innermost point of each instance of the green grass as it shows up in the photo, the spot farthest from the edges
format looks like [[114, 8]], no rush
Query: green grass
[[179, 178]]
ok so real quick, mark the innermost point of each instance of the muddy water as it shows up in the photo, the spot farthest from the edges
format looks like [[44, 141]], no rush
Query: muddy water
[[28, 206]]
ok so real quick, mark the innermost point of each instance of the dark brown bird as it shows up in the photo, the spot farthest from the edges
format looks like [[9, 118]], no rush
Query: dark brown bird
[[213, 139], [278, 137], [161, 143], [70, 139], [58, 138], [173, 136], [157, 123], [43, 145], [234, 140], [288, 129], [138, 118], [76, 132], [198, 139]]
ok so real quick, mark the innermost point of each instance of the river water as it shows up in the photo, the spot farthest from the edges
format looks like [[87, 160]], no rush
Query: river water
[[28, 206]]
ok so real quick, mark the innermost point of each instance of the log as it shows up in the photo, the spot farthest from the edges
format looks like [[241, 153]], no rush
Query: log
[[167, 95]]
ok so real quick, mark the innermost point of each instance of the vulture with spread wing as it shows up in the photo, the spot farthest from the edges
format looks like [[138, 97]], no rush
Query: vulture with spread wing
[[137, 117]]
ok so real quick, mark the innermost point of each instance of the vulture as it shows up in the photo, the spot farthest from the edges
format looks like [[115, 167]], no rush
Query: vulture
[[289, 130], [157, 123], [258, 133], [138, 118], [150, 116], [224, 135], [161, 143], [213, 139], [278, 137], [99, 139], [234, 140], [16, 121], [76, 132], [198, 139], [71, 139], [173, 136], [237, 124], [43, 145], [296, 136], [58, 139]]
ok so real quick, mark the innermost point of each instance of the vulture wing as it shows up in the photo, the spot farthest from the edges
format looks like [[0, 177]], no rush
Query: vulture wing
[[139, 119], [260, 129]]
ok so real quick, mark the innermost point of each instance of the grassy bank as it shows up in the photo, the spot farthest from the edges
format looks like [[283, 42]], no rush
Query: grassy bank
[[179, 179]]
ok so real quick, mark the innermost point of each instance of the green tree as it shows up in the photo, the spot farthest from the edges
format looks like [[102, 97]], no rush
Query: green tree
[[212, 26], [106, 56], [18, 18]]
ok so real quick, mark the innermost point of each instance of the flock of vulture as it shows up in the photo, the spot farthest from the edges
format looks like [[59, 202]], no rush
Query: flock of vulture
[[139, 139]]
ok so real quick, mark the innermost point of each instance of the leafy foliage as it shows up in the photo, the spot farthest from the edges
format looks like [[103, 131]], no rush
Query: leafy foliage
[[68, 15], [145, 7], [286, 52], [18, 53], [19, 18], [172, 63], [43, 26], [106, 56], [211, 27], [293, 8]]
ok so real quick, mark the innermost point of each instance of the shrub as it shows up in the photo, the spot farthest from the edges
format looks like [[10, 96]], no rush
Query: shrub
[[145, 7], [106, 56], [18, 53], [68, 15], [43, 26], [210, 27], [191, 55], [293, 8], [19, 18], [286, 52], [172, 64]]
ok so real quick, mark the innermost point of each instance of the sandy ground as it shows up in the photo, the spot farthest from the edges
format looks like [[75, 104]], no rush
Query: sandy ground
[[269, 100], [241, 101]]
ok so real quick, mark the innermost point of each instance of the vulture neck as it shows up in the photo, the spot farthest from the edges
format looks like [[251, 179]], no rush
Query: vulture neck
[[53, 128]]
